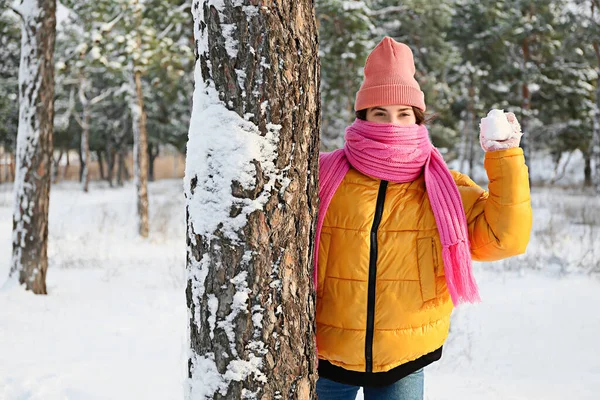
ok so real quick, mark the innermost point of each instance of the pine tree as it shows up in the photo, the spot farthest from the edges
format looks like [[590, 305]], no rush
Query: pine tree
[[29, 261], [251, 190]]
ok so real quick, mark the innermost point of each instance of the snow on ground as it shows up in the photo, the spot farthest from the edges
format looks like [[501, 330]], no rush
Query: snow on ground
[[114, 323]]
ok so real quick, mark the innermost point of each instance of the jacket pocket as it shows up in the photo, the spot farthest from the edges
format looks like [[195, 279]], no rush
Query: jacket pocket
[[425, 260]]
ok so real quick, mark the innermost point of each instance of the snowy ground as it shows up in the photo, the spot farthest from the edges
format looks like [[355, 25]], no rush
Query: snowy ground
[[113, 324]]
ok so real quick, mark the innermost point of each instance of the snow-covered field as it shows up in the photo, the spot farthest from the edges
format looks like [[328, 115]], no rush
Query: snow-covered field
[[114, 323]]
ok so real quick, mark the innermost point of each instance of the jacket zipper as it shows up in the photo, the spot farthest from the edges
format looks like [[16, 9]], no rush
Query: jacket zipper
[[373, 276]]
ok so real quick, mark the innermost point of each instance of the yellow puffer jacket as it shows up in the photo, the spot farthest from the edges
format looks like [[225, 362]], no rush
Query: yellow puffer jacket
[[410, 311]]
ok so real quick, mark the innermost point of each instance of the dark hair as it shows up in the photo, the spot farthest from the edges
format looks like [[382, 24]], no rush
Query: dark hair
[[420, 116]]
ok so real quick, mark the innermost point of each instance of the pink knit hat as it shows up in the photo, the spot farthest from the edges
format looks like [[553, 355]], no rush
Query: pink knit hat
[[389, 78]]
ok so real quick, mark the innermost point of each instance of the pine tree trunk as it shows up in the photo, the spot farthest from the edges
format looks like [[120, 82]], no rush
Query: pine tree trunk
[[29, 261], [85, 149], [140, 135], [251, 189], [140, 156]]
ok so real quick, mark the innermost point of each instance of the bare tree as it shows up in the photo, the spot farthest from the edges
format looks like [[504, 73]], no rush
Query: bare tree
[[251, 190], [34, 144]]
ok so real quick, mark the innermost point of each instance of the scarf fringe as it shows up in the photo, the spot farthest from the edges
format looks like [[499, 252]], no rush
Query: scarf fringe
[[459, 273]]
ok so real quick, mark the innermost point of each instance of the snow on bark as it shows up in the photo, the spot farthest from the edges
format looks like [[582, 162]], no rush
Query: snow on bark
[[250, 187], [34, 144]]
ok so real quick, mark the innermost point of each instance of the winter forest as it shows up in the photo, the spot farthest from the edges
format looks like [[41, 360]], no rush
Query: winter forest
[[159, 190]]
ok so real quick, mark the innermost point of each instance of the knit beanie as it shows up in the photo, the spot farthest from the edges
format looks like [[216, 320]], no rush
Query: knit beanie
[[389, 78]]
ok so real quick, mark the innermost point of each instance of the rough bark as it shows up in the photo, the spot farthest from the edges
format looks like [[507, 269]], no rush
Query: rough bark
[[272, 79], [29, 261]]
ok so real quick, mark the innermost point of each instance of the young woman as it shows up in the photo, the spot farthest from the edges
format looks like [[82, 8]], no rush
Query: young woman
[[396, 234]]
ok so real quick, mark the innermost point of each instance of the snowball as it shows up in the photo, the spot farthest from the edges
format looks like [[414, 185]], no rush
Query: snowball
[[496, 126]]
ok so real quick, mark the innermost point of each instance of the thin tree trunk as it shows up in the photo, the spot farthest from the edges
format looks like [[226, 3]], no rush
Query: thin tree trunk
[[251, 190], [587, 169], [66, 170], [140, 136], [81, 162], [100, 165], [11, 167], [596, 126], [120, 165], [56, 166], [140, 156], [85, 135], [2, 164], [153, 152], [110, 163], [29, 261], [526, 99], [471, 129]]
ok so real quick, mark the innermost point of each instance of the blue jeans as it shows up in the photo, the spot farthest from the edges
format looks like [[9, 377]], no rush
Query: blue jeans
[[407, 388]]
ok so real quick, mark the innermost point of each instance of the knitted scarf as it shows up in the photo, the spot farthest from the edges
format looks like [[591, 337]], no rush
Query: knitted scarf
[[400, 154]]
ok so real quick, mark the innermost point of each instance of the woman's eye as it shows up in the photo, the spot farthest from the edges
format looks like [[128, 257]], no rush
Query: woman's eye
[[405, 115], [379, 114]]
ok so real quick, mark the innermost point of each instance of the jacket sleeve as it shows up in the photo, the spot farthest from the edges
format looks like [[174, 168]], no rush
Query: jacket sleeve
[[500, 220]]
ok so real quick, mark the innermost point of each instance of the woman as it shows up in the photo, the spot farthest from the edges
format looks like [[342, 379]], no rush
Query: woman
[[396, 234]]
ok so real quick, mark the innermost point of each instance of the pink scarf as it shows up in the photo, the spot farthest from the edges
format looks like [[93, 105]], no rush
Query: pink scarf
[[399, 154]]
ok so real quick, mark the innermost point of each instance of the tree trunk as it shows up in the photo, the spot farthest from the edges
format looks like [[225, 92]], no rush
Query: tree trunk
[[66, 170], [11, 168], [100, 165], [120, 168], [85, 136], [471, 128], [140, 156], [81, 162], [587, 170], [153, 151], [140, 136], [251, 189], [110, 163], [56, 165], [526, 99], [29, 261], [596, 131], [2, 164]]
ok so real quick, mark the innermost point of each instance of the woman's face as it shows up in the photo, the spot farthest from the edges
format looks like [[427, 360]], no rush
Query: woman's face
[[396, 114]]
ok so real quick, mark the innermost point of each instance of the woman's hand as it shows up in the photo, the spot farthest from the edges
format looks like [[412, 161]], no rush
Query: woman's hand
[[513, 140]]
